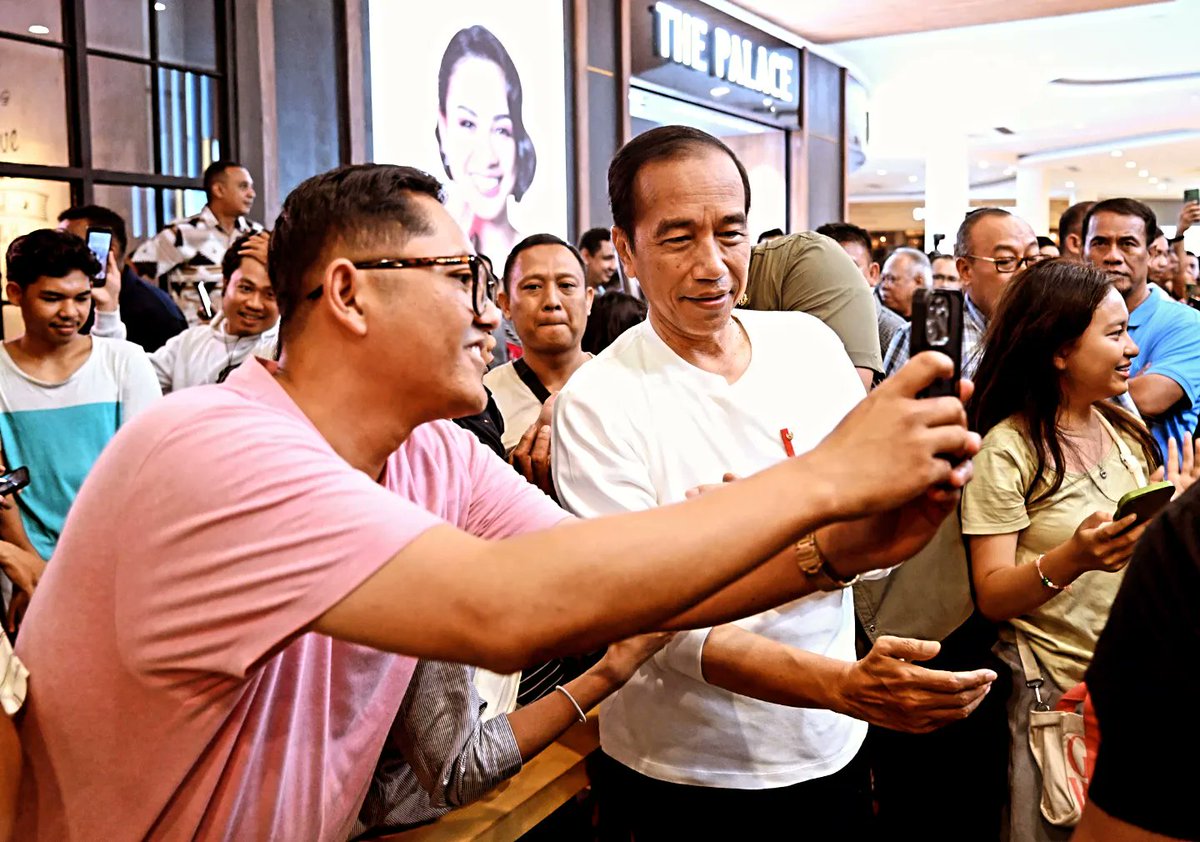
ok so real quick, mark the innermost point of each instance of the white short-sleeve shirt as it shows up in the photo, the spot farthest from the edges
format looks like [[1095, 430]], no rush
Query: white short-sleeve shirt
[[636, 428]]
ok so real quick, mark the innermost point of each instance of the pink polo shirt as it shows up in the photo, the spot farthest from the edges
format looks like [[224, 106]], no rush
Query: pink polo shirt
[[173, 693]]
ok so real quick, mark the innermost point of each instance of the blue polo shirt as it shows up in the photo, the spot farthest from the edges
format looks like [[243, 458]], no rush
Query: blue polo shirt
[[1168, 338]]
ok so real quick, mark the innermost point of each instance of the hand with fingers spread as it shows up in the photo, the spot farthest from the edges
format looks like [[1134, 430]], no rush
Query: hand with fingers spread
[[886, 688], [1181, 470], [531, 456], [895, 447]]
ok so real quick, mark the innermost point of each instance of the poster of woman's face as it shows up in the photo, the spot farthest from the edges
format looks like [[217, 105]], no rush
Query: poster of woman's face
[[475, 95]]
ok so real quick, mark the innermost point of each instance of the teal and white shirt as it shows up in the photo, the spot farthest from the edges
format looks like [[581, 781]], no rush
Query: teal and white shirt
[[57, 430]]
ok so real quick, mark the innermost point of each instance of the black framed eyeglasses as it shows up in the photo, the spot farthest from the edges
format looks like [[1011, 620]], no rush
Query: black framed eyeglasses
[[483, 280], [1007, 265]]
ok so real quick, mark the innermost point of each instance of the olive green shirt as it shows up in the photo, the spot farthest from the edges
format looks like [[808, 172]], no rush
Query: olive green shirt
[[811, 273]]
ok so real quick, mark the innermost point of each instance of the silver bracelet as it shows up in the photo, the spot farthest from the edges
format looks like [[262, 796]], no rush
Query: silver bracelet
[[574, 704]]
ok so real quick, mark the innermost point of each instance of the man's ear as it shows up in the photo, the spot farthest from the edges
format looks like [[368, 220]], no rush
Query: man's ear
[[503, 303], [342, 293], [624, 246], [15, 293]]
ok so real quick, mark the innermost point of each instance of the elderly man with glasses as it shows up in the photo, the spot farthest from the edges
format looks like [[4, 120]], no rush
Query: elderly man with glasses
[[992, 245]]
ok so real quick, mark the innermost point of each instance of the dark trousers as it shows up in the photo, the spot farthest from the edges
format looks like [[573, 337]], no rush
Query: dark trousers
[[631, 805], [950, 784]]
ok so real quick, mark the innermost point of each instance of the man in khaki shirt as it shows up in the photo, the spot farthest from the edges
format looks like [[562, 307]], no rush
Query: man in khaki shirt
[[812, 274]]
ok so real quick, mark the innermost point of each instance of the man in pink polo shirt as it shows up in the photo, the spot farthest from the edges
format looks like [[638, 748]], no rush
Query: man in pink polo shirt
[[221, 665]]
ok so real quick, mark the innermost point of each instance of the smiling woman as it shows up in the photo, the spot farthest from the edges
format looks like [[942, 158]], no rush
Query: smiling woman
[[481, 136]]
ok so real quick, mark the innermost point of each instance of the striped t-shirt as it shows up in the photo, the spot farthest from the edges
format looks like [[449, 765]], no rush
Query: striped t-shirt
[[57, 430]]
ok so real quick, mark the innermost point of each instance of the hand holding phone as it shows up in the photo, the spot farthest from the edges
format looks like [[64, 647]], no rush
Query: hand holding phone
[[937, 325], [13, 481], [99, 242], [1145, 502]]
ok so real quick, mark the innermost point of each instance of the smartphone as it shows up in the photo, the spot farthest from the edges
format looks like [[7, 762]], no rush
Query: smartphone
[[13, 481], [1145, 502], [99, 241], [937, 325], [1191, 196], [205, 301]]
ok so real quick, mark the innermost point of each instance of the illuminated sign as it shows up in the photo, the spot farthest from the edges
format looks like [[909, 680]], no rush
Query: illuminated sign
[[690, 40]]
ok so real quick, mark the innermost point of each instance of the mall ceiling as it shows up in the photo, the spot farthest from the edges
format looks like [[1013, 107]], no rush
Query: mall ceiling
[[1104, 97], [826, 21]]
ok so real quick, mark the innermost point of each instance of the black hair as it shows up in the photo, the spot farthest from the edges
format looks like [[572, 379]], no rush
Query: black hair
[[360, 205], [937, 255], [1046, 241], [478, 42], [538, 240], [233, 256], [48, 253], [845, 232], [100, 217], [612, 314], [592, 238], [1158, 232], [1042, 311], [1123, 207], [1072, 217], [658, 144], [962, 240], [770, 234], [214, 172]]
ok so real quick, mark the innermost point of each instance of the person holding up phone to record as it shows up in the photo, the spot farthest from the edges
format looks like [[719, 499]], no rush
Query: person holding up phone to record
[[1058, 457]]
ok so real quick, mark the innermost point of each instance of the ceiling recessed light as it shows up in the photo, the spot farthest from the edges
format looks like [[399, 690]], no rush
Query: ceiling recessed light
[[720, 90], [160, 7], [1116, 153], [1162, 187], [1154, 180], [912, 179], [880, 172], [1143, 173], [38, 29], [1070, 185], [766, 101], [1131, 165], [1010, 170], [882, 238]]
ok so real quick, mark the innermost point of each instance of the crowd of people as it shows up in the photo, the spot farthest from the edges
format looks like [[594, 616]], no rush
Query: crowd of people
[[406, 521]]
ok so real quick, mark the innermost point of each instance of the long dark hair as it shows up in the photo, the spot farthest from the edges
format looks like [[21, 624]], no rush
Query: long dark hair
[[1042, 311], [479, 42]]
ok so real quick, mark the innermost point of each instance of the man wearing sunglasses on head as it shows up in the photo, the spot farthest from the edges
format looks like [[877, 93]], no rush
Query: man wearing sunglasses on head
[[992, 245], [249, 636]]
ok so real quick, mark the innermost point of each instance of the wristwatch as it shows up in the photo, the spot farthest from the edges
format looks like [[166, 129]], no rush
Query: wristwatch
[[815, 566]]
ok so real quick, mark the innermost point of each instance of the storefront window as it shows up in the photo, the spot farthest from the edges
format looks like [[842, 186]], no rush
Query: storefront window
[[762, 149], [41, 18], [137, 207], [119, 95], [188, 115], [120, 26], [187, 33], [33, 105]]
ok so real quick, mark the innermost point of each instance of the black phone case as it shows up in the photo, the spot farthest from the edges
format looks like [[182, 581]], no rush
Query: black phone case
[[951, 346]]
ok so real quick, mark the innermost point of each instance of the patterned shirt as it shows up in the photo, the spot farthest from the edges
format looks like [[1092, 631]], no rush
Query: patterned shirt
[[189, 252], [974, 328]]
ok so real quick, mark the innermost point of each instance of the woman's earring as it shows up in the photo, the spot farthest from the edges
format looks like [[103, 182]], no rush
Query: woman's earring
[[744, 300]]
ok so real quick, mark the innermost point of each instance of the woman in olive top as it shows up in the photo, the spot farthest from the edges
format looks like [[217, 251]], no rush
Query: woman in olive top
[[1057, 456]]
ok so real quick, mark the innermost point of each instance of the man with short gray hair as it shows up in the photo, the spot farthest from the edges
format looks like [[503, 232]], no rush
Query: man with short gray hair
[[903, 272]]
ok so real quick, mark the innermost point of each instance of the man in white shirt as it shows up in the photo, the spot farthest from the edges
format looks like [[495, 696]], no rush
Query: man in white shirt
[[745, 726], [248, 324], [547, 299]]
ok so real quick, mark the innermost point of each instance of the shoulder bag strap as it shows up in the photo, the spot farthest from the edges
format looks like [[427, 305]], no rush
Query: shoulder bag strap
[[1033, 673], [531, 380]]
